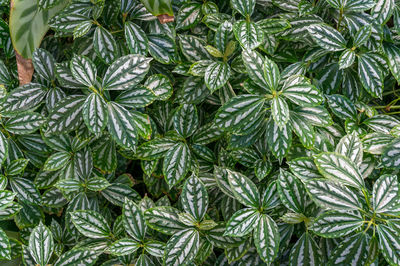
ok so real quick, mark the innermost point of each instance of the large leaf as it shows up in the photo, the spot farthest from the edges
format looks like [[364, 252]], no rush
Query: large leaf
[[41, 244], [121, 126], [133, 220], [339, 168], [305, 252], [66, 115], [244, 189], [176, 163], [182, 247], [242, 222], [266, 238], [332, 195], [28, 24], [389, 244], [352, 250], [91, 224], [337, 223], [125, 72], [327, 37], [194, 197], [95, 113], [385, 194], [238, 111]]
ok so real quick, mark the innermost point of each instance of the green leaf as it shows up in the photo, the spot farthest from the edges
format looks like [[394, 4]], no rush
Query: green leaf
[[26, 190], [337, 223], [90, 223], [280, 111], [186, 120], [121, 126], [333, 195], [82, 256], [126, 72], [194, 198], [238, 111], [362, 34], [104, 45], [44, 64], [155, 149], [133, 221], [305, 252], [28, 25], [351, 147], [83, 70], [5, 248], [292, 192], [164, 219], [279, 139], [256, 67], [393, 55], [24, 123], [242, 222], [138, 97], [303, 130], [346, 59], [299, 90], [157, 7], [136, 38], [339, 168], [244, 7], [244, 189], [317, 115], [266, 239], [182, 247], [66, 115], [188, 16], [389, 244], [176, 163], [160, 85], [24, 98], [385, 194], [370, 75], [97, 183], [327, 37], [95, 113], [41, 244], [123, 247], [352, 250], [358, 5], [382, 11], [162, 48], [216, 75], [248, 34], [57, 161], [6, 198], [342, 107]]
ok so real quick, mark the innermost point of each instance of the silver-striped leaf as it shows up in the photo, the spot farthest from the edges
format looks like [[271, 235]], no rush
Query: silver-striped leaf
[[90, 223], [332, 195], [125, 72], [339, 169], [194, 198], [41, 244]]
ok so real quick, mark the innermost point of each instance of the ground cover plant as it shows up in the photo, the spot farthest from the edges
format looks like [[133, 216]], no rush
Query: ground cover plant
[[229, 132]]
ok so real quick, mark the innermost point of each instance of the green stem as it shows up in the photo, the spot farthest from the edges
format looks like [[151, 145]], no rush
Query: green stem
[[386, 106]]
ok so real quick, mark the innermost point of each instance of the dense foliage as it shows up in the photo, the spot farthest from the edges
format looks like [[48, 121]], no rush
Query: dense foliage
[[242, 133]]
